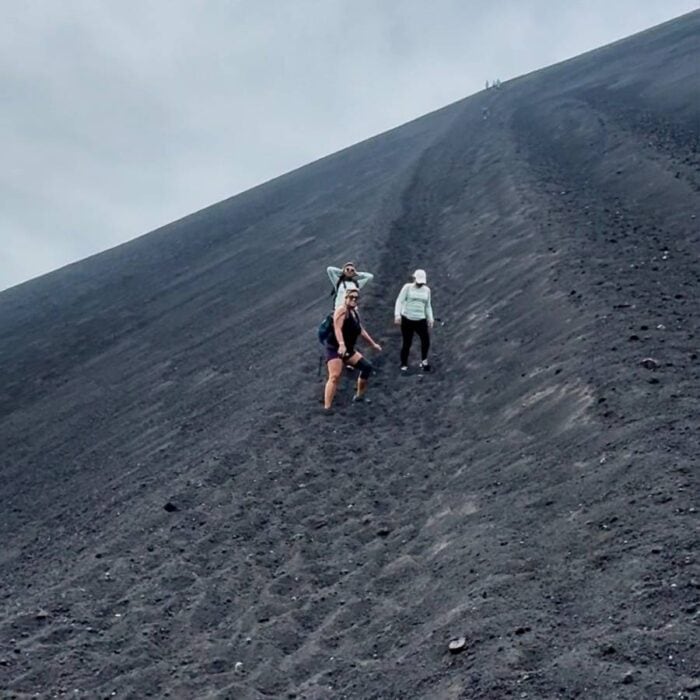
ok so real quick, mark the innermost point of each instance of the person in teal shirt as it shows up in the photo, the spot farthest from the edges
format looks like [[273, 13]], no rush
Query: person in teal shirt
[[413, 311]]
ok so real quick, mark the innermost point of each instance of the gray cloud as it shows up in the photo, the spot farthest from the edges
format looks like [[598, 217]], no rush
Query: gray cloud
[[119, 117]]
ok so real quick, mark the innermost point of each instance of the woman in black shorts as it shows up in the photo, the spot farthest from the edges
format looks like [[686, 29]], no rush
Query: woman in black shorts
[[340, 349]]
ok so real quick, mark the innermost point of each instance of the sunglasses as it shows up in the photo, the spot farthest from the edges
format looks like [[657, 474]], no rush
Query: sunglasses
[[353, 297]]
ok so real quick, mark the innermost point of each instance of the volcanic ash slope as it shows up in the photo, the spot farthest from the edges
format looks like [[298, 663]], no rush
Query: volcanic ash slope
[[180, 520]]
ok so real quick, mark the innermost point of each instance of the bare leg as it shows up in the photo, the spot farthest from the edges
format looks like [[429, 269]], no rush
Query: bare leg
[[335, 368]]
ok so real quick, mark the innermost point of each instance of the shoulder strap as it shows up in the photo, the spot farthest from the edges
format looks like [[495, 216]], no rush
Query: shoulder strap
[[337, 286]]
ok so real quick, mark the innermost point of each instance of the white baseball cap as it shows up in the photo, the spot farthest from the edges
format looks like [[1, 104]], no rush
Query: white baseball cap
[[420, 277]]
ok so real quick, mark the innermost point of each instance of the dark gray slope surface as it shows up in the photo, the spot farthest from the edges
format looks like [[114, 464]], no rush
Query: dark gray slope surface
[[537, 493]]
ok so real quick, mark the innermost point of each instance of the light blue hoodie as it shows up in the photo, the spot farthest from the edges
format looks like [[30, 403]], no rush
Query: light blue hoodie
[[361, 279]]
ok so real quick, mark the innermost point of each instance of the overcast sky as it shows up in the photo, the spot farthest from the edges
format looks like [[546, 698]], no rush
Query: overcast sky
[[119, 116]]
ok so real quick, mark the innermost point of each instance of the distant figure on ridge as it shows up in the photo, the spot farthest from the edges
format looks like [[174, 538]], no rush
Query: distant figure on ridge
[[414, 313], [346, 278], [340, 349]]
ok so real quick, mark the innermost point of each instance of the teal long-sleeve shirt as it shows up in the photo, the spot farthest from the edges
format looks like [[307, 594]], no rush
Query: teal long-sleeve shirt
[[414, 302]]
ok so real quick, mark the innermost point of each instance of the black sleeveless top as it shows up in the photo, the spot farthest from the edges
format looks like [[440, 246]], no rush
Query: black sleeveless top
[[351, 331]]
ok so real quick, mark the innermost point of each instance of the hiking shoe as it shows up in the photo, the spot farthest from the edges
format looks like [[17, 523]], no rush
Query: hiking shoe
[[360, 399], [404, 370], [425, 366]]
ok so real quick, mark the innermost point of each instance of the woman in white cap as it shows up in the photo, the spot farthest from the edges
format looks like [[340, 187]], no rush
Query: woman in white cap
[[344, 279], [414, 313]]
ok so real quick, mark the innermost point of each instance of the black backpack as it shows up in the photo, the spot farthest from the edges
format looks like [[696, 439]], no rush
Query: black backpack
[[325, 329], [342, 281]]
